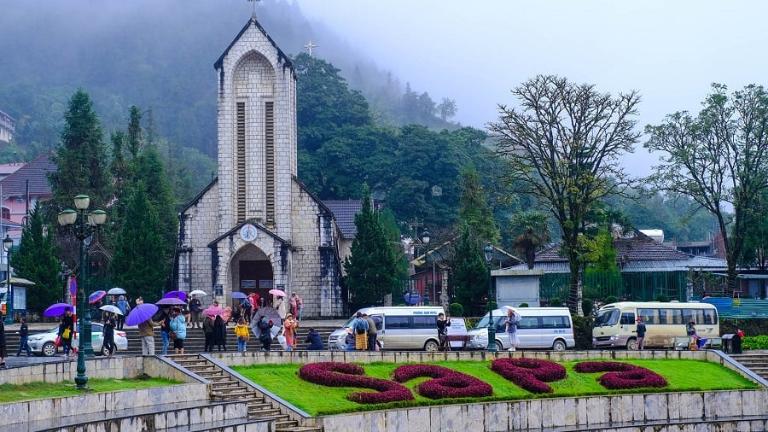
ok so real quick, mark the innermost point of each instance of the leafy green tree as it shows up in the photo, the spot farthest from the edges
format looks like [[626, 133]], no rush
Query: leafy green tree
[[474, 209], [529, 232], [372, 267], [137, 264], [392, 233], [470, 273], [81, 158], [755, 252], [36, 260]]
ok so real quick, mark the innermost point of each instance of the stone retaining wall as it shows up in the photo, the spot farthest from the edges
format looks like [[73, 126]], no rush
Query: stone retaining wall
[[577, 413]]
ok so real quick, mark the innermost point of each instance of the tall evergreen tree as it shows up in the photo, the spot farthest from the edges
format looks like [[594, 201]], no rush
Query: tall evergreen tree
[[81, 158], [470, 273], [474, 210], [137, 264], [120, 174], [135, 133], [372, 267], [36, 260]]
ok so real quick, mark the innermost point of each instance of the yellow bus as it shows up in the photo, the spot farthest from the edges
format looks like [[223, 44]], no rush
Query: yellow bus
[[616, 323]]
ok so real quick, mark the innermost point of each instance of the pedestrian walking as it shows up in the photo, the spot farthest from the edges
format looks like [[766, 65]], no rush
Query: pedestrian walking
[[178, 331], [294, 304], [208, 332], [3, 352], [195, 307], [690, 329], [147, 335], [640, 333], [289, 331], [124, 307], [443, 322], [314, 340], [511, 326], [360, 325], [372, 332], [281, 307], [66, 331], [247, 310], [253, 299], [242, 333], [165, 330], [23, 338], [220, 333], [265, 333], [108, 336]]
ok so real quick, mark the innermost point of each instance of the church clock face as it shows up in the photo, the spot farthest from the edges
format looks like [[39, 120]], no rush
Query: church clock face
[[248, 233]]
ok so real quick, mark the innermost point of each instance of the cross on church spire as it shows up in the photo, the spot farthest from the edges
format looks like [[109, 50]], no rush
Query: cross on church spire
[[253, 14], [310, 46]]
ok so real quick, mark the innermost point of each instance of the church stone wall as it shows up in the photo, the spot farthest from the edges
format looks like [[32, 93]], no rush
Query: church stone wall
[[201, 226]]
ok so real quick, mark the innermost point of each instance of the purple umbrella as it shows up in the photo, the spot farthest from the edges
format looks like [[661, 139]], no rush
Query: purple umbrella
[[95, 297], [57, 309], [239, 295], [140, 314], [170, 302], [181, 295]]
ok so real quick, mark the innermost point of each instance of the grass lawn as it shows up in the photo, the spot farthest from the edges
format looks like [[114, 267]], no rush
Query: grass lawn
[[39, 390], [682, 375]]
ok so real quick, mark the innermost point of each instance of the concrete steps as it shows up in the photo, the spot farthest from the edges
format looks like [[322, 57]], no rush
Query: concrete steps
[[756, 362]]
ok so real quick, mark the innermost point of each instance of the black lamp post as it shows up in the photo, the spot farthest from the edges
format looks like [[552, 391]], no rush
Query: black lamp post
[[87, 223], [7, 245], [488, 251], [425, 241]]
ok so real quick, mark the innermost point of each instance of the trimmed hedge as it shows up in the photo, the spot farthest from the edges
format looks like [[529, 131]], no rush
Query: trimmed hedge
[[530, 374], [336, 374], [622, 375], [754, 342], [445, 383]]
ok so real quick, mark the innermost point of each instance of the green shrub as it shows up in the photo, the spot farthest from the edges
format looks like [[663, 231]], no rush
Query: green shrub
[[755, 342], [555, 302], [611, 299], [751, 326], [662, 298], [587, 305], [523, 305], [582, 332], [456, 310]]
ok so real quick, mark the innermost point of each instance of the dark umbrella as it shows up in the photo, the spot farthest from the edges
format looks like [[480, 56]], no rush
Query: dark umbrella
[[57, 309], [140, 314], [170, 302], [181, 295]]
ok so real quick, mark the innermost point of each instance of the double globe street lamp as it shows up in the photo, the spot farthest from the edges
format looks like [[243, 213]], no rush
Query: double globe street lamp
[[86, 223]]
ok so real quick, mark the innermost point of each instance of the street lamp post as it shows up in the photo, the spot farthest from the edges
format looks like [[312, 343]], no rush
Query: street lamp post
[[488, 251], [7, 245], [87, 223], [425, 241]]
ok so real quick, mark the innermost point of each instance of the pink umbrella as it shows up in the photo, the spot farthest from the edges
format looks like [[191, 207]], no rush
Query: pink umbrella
[[212, 311], [278, 293], [96, 296]]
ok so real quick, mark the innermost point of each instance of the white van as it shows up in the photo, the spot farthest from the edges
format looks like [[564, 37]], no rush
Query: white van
[[616, 323], [539, 327], [399, 328]]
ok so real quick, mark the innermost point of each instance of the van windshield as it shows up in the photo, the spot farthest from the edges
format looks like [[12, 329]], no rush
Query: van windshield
[[607, 317], [483, 323]]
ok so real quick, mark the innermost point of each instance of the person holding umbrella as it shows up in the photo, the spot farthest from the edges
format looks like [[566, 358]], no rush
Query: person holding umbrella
[[66, 331], [124, 307], [141, 315], [109, 335], [179, 330], [195, 307]]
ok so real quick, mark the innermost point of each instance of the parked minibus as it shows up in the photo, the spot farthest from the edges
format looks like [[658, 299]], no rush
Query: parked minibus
[[616, 323], [399, 328], [539, 327]]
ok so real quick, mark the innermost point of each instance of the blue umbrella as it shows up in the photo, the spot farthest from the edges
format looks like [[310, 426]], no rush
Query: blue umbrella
[[57, 309], [412, 298], [239, 295], [181, 295], [140, 314], [96, 296]]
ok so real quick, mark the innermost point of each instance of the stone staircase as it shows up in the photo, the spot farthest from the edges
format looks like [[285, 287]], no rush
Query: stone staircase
[[226, 387], [757, 362]]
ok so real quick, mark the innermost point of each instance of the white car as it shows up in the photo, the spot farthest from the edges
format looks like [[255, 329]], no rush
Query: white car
[[44, 343]]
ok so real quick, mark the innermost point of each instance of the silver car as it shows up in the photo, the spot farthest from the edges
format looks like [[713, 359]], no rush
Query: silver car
[[45, 343]]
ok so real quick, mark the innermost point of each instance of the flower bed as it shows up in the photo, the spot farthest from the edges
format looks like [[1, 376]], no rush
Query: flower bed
[[335, 374], [530, 374], [445, 383], [622, 375]]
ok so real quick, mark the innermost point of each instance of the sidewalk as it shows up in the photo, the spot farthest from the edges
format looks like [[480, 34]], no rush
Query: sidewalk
[[37, 327]]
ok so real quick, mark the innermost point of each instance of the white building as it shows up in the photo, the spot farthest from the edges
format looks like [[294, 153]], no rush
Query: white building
[[256, 226], [7, 128]]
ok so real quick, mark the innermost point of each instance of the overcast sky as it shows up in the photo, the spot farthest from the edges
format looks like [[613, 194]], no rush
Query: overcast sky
[[475, 51]]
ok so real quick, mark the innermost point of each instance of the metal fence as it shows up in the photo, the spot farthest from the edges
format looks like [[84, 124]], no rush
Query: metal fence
[[636, 286]]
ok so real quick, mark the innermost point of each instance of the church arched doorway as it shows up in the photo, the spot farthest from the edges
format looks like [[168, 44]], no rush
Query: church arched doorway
[[251, 271]]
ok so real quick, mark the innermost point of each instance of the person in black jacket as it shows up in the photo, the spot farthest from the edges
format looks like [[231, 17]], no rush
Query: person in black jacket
[[220, 333], [314, 340], [109, 336], [3, 354], [208, 332], [66, 331], [265, 333], [23, 337]]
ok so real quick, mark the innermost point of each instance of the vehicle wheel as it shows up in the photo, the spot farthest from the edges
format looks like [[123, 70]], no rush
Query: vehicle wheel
[[431, 346], [104, 351], [499, 345], [49, 349], [632, 344], [559, 345]]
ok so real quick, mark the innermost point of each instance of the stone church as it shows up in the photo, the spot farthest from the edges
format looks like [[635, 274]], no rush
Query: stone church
[[256, 226]]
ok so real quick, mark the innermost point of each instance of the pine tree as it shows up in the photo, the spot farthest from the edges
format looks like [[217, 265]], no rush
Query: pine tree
[[81, 158], [372, 267], [137, 264], [36, 260], [470, 274], [120, 173], [474, 209]]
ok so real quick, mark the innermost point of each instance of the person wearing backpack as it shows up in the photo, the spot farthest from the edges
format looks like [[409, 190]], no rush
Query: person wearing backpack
[[360, 327], [247, 308]]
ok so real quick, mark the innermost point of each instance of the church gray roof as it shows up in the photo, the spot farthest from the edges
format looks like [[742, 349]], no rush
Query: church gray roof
[[344, 212], [280, 54]]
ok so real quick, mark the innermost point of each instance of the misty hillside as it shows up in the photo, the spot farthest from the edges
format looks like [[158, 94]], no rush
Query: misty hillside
[[157, 55]]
